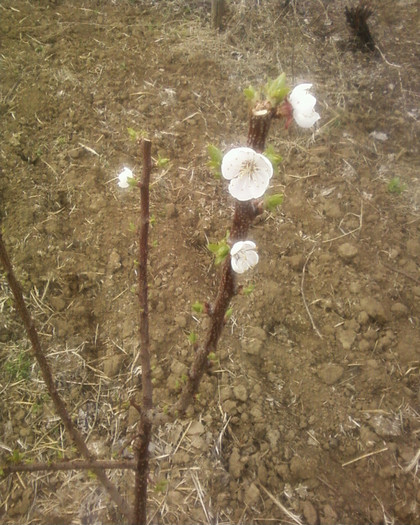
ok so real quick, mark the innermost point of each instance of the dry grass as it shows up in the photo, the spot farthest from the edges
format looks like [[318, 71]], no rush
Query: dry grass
[[259, 40]]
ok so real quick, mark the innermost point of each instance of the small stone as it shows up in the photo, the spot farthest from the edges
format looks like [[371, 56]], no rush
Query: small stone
[[262, 474], [347, 251], [196, 428], [235, 465], [112, 365], [408, 352], [252, 494], [240, 392], [252, 347], [225, 393], [171, 210], [114, 261], [296, 262], [374, 309], [413, 247], [181, 321], [309, 513], [385, 427], [257, 332], [58, 303], [331, 373], [346, 338], [299, 468], [379, 135], [399, 310]]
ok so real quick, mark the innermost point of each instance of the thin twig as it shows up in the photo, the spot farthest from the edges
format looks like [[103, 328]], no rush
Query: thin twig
[[75, 464], [302, 291], [49, 381], [364, 456], [288, 513]]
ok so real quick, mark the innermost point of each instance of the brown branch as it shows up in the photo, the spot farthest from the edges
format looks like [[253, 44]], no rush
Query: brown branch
[[144, 428], [49, 380], [245, 213], [76, 464]]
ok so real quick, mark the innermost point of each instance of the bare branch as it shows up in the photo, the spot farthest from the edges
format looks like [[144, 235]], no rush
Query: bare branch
[[49, 380], [144, 429], [75, 464]]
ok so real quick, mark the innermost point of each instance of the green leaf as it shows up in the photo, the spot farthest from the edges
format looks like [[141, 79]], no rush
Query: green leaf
[[162, 161], [192, 337], [273, 156], [215, 162], [198, 307], [272, 201], [249, 289], [276, 90], [228, 313], [161, 486], [132, 133], [396, 186], [251, 94]]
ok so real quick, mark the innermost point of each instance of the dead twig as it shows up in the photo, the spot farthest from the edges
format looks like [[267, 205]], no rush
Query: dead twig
[[76, 464], [144, 428], [49, 381], [302, 292], [364, 456]]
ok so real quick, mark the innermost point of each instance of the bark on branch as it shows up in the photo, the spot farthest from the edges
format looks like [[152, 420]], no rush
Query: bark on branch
[[50, 384]]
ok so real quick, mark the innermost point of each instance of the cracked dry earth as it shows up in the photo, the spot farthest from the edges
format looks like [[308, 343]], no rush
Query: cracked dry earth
[[310, 412]]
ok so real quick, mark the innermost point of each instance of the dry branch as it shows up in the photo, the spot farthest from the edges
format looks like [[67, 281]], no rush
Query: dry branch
[[49, 381], [144, 428], [76, 464]]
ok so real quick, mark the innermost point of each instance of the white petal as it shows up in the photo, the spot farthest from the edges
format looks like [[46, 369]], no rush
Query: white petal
[[248, 171], [298, 92], [245, 189], [306, 120], [242, 245], [123, 176], [243, 256], [303, 104], [233, 160]]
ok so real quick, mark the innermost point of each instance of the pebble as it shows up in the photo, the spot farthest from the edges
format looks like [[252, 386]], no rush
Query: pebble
[[399, 310], [252, 494], [346, 338], [252, 347], [408, 352], [347, 251], [299, 468], [310, 513], [385, 427], [235, 465], [113, 364], [331, 373], [114, 261], [374, 309], [413, 247], [240, 392], [196, 428], [181, 321], [171, 210]]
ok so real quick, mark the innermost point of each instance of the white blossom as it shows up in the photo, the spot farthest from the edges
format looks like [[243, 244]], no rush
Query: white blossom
[[243, 256], [303, 104], [249, 173], [123, 178]]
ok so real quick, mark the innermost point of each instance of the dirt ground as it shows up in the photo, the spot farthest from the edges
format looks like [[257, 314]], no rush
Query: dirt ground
[[311, 411]]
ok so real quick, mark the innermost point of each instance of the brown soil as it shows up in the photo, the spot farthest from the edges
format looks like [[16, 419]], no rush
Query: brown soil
[[312, 405]]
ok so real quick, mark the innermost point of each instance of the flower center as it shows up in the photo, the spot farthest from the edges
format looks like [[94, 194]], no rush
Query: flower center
[[248, 169]]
